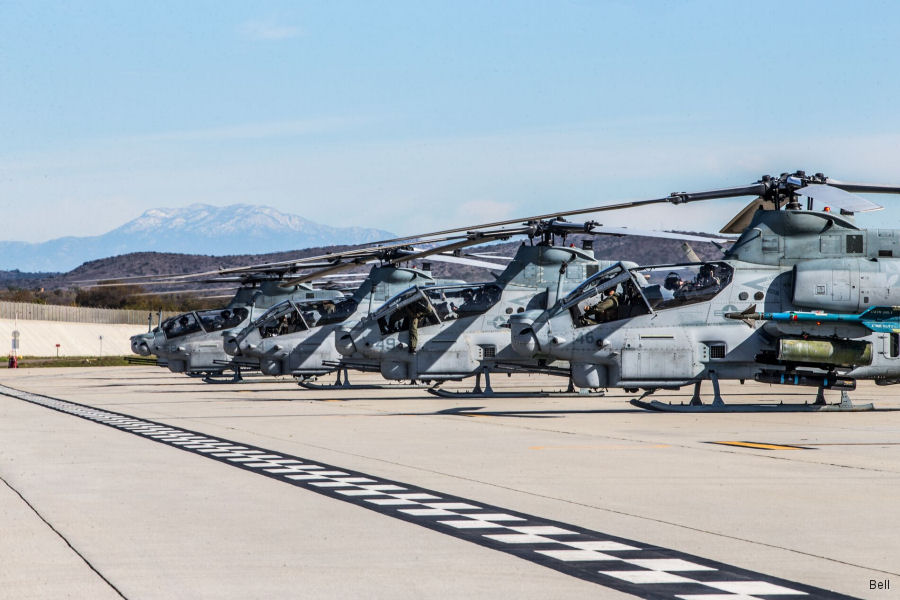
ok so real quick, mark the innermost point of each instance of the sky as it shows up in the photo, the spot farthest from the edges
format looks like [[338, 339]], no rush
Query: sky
[[414, 116]]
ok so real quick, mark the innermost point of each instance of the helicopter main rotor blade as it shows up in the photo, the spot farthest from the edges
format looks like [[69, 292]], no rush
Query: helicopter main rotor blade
[[377, 250], [675, 198], [863, 188], [469, 241], [668, 235], [491, 255], [462, 260], [202, 293], [836, 197]]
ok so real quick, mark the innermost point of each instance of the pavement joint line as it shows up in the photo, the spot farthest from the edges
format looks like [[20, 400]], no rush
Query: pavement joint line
[[629, 566], [64, 539]]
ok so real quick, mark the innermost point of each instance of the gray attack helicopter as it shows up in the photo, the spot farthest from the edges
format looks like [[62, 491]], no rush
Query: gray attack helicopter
[[296, 337], [450, 332], [193, 342], [824, 285]]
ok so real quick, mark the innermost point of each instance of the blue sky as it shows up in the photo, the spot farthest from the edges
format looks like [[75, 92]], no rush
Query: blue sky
[[411, 116]]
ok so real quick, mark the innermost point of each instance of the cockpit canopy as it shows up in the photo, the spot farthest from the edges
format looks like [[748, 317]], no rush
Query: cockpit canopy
[[435, 304], [204, 320], [290, 316], [181, 325], [619, 292], [217, 320]]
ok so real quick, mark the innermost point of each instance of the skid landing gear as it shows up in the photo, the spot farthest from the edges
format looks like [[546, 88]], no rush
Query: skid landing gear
[[219, 377], [342, 382], [488, 392], [718, 405]]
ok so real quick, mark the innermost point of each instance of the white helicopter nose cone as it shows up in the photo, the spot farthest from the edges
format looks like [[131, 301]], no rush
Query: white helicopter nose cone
[[524, 342], [231, 346], [343, 343]]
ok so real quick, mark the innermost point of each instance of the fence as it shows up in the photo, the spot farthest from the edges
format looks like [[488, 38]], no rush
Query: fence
[[75, 314]]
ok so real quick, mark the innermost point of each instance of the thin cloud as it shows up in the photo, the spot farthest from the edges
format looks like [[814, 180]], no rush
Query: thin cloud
[[268, 31], [278, 129]]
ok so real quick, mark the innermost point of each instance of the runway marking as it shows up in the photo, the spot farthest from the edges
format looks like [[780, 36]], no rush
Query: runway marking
[[762, 446], [629, 566], [635, 446]]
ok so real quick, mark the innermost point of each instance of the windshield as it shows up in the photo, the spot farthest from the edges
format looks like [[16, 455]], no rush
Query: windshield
[[281, 319], [219, 319], [182, 325], [324, 312], [434, 304], [598, 280], [419, 309], [475, 300], [618, 297], [618, 293], [668, 287]]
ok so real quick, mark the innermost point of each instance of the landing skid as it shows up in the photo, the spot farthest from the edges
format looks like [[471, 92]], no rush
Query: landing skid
[[220, 377], [719, 406], [488, 392], [344, 384]]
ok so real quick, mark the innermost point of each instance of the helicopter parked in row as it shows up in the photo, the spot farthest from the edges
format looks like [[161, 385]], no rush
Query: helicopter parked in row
[[446, 332], [196, 342], [296, 337], [193, 342], [668, 326]]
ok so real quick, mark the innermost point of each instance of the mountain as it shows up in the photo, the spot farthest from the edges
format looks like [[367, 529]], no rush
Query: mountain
[[196, 229], [637, 249]]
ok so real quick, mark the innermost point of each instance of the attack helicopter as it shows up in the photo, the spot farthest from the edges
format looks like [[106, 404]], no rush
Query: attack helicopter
[[296, 337], [193, 342], [450, 332], [811, 269]]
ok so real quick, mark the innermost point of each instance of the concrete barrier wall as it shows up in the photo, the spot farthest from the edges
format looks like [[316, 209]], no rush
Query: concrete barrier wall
[[39, 338], [75, 314]]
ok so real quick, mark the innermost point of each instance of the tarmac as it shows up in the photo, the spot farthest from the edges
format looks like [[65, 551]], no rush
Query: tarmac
[[156, 485]]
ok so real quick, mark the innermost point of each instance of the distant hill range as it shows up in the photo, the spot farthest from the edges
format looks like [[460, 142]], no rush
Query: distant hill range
[[196, 229], [638, 249]]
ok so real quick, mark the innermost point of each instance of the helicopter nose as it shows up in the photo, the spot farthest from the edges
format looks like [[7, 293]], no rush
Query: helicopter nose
[[343, 343], [345, 338], [140, 344], [231, 346], [524, 342], [524, 337]]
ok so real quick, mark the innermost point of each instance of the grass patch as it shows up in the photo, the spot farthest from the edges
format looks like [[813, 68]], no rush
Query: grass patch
[[27, 362]]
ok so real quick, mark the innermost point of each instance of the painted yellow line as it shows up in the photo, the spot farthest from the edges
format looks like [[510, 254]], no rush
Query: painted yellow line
[[761, 446]]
